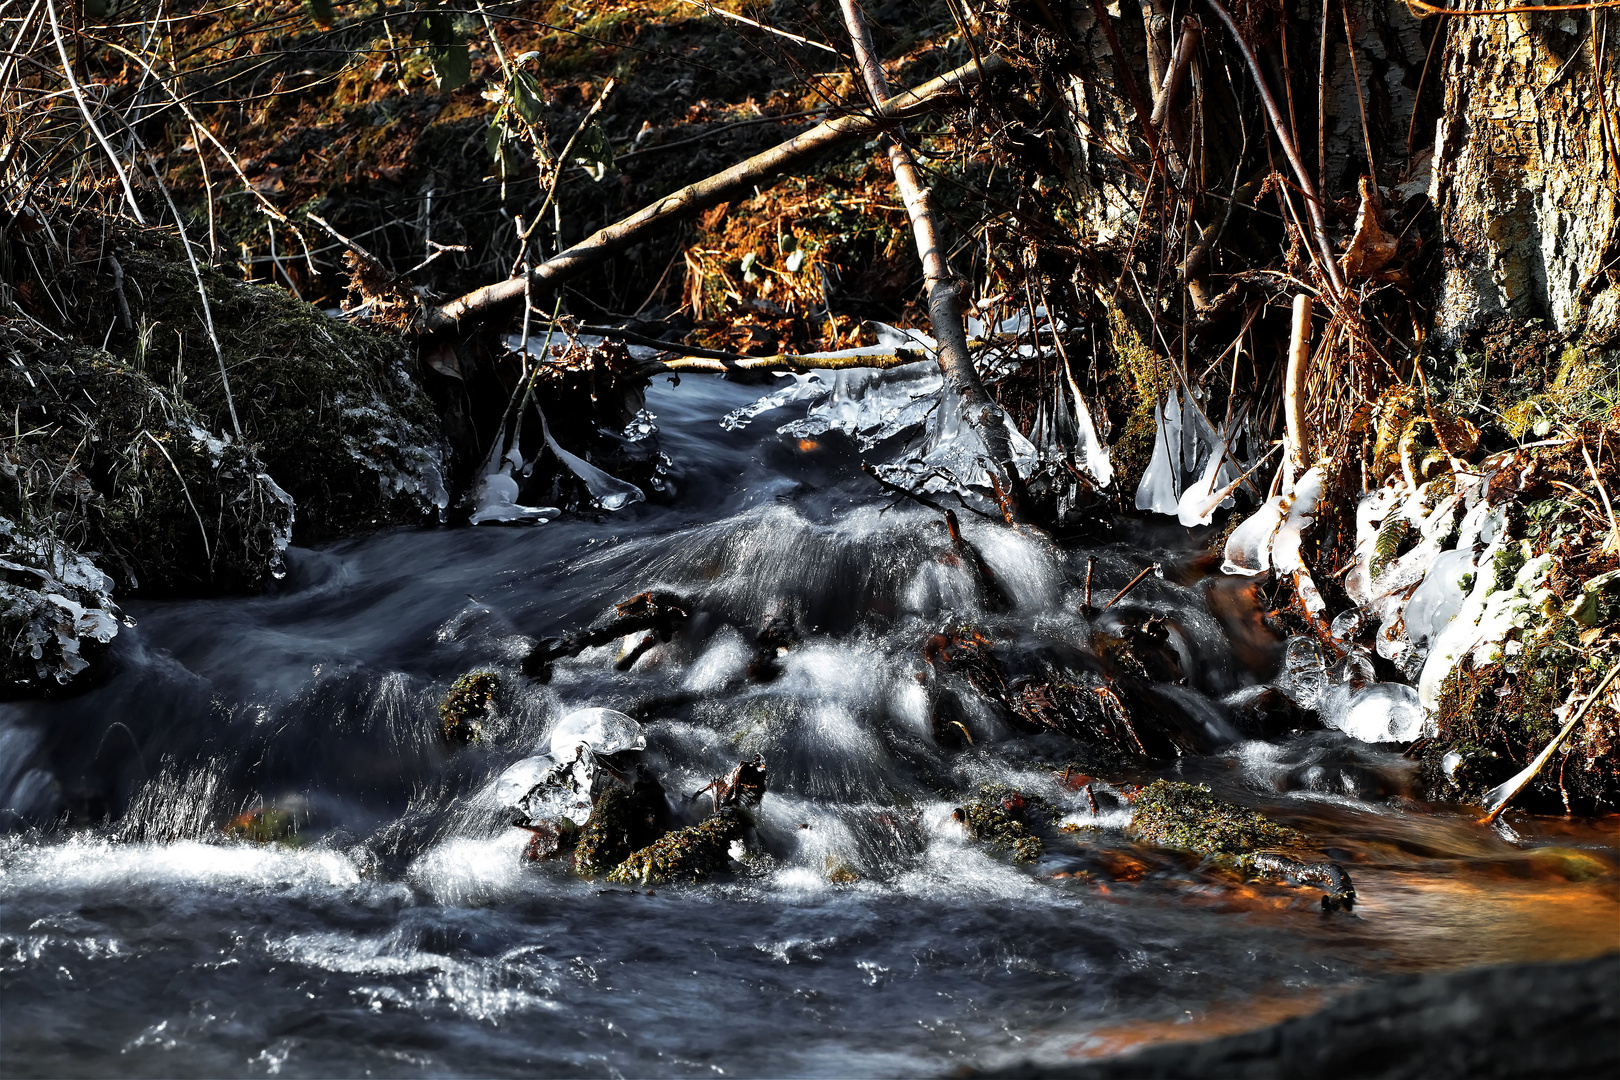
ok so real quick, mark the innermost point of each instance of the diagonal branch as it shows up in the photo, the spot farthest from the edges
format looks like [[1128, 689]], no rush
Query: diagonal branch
[[465, 311]]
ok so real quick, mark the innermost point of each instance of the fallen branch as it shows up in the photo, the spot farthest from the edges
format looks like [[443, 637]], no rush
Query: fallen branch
[[944, 290], [716, 189], [1498, 797]]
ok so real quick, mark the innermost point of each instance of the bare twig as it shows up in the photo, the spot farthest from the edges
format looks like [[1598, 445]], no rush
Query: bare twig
[[208, 311], [1313, 204], [1299, 357], [708, 5], [1497, 798], [1133, 583], [89, 117]]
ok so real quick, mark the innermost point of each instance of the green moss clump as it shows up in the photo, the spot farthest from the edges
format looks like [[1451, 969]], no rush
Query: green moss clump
[[998, 818], [621, 823], [1190, 818], [1146, 376], [465, 707], [272, 826], [689, 854]]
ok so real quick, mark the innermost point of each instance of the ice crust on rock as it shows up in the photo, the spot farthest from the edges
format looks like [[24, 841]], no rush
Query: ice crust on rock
[[561, 783], [1439, 597], [66, 602]]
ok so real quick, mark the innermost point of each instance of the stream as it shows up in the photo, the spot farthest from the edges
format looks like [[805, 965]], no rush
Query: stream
[[402, 933]]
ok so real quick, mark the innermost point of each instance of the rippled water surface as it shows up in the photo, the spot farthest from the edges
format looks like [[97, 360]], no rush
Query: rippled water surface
[[403, 934]]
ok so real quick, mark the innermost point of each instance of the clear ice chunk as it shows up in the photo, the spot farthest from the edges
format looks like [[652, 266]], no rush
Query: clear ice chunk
[[1375, 713], [602, 731], [519, 779], [1304, 676], [1093, 454]]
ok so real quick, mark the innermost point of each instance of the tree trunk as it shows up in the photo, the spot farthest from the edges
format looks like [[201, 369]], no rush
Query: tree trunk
[[1526, 172]]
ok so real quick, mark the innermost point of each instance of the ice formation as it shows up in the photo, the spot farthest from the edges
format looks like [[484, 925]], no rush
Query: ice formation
[[561, 783], [495, 498], [66, 602], [1375, 712], [610, 492], [1160, 487], [945, 453], [602, 731], [1248, 549]]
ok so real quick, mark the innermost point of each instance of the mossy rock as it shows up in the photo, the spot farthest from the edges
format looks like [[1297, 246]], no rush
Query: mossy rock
[[468, 704], [621, 823], [998, 818], [332, 406], [689, 854], [1189, 818]]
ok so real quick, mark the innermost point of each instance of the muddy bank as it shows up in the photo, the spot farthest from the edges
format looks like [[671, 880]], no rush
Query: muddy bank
[[1522, 1020]]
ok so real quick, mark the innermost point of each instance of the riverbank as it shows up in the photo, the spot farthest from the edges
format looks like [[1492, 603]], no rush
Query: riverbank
[[1521, 1020]]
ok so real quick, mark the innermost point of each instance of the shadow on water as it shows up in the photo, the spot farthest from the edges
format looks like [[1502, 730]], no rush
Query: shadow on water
[[403, 934]]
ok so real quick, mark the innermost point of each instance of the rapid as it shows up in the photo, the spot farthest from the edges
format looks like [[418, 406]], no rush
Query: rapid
[[401, 932]]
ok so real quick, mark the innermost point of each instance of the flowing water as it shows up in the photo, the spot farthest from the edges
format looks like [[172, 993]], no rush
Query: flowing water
[[402, 933]]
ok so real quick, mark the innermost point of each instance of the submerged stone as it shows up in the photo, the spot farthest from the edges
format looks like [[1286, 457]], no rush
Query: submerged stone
[[1189, 817]]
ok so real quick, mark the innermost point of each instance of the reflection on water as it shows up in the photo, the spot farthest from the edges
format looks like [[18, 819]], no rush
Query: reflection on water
[[399, 932]]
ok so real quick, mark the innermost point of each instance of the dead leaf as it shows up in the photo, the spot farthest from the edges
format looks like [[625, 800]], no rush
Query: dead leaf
[[1371, 248]]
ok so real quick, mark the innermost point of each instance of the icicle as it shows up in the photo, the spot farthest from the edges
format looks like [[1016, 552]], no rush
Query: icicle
[[1285, 554], [1093, 454], [1248, 549], [609, 491], [1160, 488], [495, 501]]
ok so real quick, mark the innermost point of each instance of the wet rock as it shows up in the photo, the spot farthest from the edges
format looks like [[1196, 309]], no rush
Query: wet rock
[[623, 821], [743, 787], [551, 838], [468, 704], [1189, 818], [1523, 1020], [1000, 819], [1265, 712], [689, 854], [773, 641], [1143, 649]]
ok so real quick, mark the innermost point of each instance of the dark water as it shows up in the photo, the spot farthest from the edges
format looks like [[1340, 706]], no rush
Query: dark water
[[406, 936]]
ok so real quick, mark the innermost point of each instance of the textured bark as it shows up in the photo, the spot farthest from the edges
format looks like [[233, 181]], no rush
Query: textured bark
[[1526, 177]]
